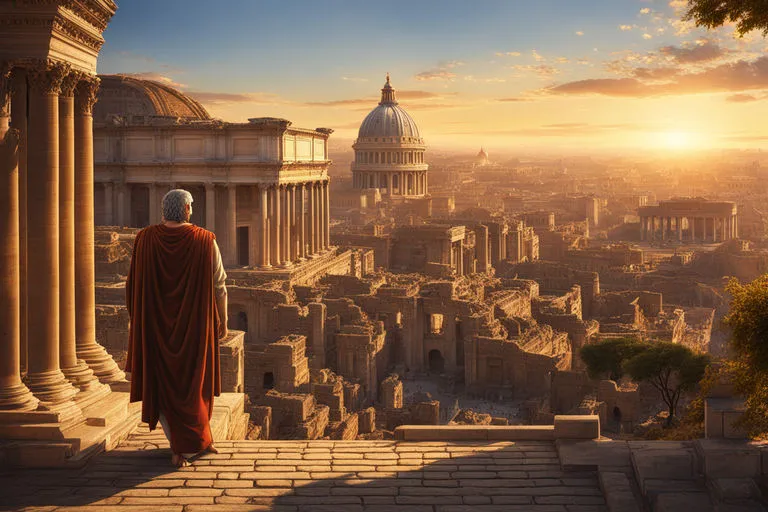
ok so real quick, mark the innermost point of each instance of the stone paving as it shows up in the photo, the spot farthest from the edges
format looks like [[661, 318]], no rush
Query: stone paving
[[336, 476]]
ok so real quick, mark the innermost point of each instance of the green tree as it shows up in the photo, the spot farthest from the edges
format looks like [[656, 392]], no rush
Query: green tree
[[748, 15], [606, 358], [748, 320], [670, 368]]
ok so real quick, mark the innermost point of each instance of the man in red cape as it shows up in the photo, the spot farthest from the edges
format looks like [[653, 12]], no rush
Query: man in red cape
[[177, 302]]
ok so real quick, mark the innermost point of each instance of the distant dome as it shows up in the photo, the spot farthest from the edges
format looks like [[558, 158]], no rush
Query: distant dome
[[482, 157], [128, 97], [388, 119]]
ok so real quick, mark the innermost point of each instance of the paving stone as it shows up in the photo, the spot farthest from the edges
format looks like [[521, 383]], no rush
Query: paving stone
[[676, 502]]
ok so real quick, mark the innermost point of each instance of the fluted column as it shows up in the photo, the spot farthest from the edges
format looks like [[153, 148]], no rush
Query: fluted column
[[45, 378], [317, 242], [301, 224], [327, 221], [210, 207], [263, 228], [231, 252], [14, 395], [154, 204], [95, 356]]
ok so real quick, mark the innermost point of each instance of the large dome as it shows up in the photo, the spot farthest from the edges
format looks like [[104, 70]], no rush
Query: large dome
[[388, 119], [128, 97]]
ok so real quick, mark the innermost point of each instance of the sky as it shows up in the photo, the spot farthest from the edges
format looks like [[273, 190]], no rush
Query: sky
[[508, 75]]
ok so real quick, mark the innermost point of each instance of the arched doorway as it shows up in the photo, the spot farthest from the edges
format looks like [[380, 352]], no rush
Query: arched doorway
[[269, 380], [436, 361]]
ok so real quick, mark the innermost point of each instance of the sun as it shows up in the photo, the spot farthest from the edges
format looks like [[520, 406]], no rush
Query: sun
[[676, 140]]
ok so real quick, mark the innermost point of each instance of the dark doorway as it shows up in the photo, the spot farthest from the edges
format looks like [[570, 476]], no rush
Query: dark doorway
[[459, 344], [242, 246], [139, 207], [436, 361], [617, 415], [269, 380], [241, 322]]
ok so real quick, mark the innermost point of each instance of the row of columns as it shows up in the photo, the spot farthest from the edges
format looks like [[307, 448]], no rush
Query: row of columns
[[47, 301], [414, 183], [292, 223], [709, 228]]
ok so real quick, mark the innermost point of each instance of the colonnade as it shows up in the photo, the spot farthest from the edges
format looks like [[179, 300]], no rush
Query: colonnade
[[406, 183], [691, 228], [286, 223], [47, 300]]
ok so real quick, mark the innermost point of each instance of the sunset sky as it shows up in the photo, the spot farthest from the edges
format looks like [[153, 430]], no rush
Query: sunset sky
[[506, 74]]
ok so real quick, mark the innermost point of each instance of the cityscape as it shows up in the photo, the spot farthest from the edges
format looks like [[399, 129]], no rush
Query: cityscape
[[463, 257]]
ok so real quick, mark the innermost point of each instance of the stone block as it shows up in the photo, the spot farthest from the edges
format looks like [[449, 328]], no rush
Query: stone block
[[593, 454], [675, 502], [664, 464], [366, 421], [734, 488], [729, 459], [577, 427]]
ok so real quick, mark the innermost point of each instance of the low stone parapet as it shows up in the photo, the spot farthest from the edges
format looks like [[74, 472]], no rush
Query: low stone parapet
[[565, 427]]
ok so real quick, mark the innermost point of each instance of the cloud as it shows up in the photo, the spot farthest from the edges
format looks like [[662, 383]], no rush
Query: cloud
[[663, 73], [704, 51], [742, 98], [579, 33], [514, 99], [220, 98], [537, 57], [353, 79], [157, 77], [647, 36], [441, 72], [543, 70], [508, 54], [645, 10], [736, 76], [625, 28]]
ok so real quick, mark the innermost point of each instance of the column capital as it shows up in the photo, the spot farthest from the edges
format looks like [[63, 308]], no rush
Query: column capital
[[47, 76], [209, 185], [69, 83], [86, 94]]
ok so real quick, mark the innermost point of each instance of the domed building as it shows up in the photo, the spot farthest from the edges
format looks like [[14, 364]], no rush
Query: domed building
[[481, 159], [389, 151]]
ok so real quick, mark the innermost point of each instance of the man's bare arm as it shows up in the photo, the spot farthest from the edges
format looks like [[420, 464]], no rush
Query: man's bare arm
[[220, 288]]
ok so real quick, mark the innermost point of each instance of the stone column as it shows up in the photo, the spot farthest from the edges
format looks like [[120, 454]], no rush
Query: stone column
[[14, 395], [19, 122], [275, 225], [263, 229], [230, 256], [692, 222], [327, 201], [294, 222], [210, 207], [318, 242], [154, 204], [642, 229], [321, 216], [285, 224], [389, 183], [75, 370], [45, 377], [109, 209], [736, 226], [679, 225], [94, 355], [254, 243], [311, 220], [302, 226]]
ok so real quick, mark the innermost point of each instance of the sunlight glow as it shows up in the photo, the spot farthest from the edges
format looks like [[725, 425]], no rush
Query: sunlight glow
[[677, 140]]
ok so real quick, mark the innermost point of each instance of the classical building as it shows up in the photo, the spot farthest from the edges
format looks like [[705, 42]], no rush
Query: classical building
[[389, 151], [68, 402], [687, 219], [261, 186]]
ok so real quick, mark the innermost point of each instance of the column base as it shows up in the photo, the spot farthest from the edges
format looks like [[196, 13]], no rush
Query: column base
[[83, 378], [17, 398], [102, 364], [54, 391], [286, 264], [265, 267]]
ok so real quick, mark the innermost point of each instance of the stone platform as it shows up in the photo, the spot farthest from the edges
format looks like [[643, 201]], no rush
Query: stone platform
[[335, 476]]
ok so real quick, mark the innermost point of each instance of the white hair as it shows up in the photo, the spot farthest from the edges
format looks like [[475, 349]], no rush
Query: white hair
[[174, 203]]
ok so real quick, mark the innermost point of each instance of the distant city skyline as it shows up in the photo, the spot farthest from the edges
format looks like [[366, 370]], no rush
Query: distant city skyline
[[604, 74]]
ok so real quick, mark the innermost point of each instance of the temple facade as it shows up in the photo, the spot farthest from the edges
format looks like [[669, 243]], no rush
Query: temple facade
[[693, 220], [389, 151], [260, 186]]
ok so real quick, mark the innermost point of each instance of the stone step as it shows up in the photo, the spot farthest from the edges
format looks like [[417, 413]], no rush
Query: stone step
[[682, 501], [741, 506], [108, 412], [728, 489], [32, 431], [663, 464]]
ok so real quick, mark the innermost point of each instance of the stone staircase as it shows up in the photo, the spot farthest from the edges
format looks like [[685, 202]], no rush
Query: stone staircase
[[707, 475]]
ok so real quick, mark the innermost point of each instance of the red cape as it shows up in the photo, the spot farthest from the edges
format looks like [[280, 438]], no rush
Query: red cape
[[173, 348]]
